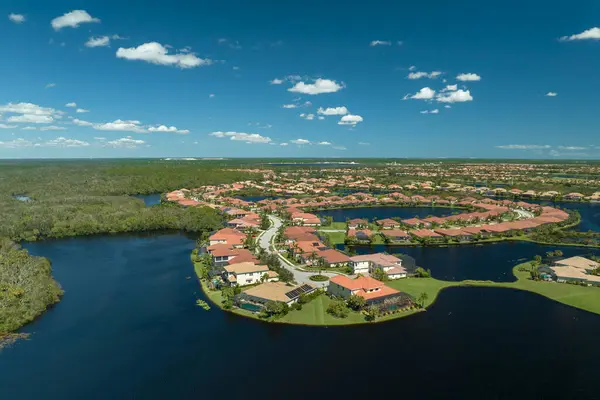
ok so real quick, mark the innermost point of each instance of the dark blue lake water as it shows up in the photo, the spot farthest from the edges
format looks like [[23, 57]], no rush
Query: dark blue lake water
[[128, 328], [493, 261], [590, 213], [149, 199], [370, 213]]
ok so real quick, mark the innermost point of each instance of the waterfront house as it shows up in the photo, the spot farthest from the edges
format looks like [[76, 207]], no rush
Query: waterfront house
[[229, 236], [333, 258], [388, 223], [369, 263], [358, 223], [275, 291], [457, 234], [370, 289], [395, 235], [416, 223], [426, 234], [244, 273], [575, 269], [360, 234]]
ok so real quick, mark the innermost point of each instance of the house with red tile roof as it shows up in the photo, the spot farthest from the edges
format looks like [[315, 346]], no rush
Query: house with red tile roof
[[416, 223], [333, 258], [357, 223], [395, 235], [360, 234], [426, 234], [388, 223], [229, 236], [369, 263], [372, 290], [458, 234]]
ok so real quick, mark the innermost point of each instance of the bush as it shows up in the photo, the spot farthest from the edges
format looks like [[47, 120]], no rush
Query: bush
[[338, 309], [356, 302], [318, 278]]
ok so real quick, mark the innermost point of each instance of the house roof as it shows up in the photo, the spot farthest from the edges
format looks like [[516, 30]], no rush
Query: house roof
[[274, 291], [362, 282], [425, 233], [245, 268], [381, 259], [333, 256], [578, 262]]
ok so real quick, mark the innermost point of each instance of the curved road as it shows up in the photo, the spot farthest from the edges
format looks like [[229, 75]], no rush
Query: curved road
[[265, 241]]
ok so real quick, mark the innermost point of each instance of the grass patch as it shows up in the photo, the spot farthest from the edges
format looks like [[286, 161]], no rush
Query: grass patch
[[335, 237], [318, 278]]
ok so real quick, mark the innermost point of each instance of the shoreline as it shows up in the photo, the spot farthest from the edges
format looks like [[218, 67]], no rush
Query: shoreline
[[581, 297]]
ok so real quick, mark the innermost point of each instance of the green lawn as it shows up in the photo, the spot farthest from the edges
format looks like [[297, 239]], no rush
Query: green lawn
[[335, 237], [315, 313]]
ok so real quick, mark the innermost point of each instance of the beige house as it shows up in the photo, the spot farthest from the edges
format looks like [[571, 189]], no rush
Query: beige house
[[276, 291], [244, 273]]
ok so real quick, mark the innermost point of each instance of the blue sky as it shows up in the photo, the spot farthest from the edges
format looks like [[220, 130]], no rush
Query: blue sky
[[312, 79]]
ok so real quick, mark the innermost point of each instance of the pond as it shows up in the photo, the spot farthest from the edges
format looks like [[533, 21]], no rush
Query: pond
[[149, 199], [590, 212], [128, 327], [371, 213]]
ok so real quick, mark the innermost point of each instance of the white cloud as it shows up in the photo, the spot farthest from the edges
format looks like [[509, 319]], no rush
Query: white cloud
[[156, 53], [100, 41], [380, 43], [27, 108], [82, 110], [318, 87], [333, 111], [16, 143], [436, 111], [4, 126], [276, 81], [210, 96], [459, 96], [364, 143], [468, 77], [324, 144], [423, 94], [290, 105], [450, 88], [590, 34], [64, 142], [524, 147], [81, 123], [31, 118], [53, 128], [320, 117], [412, 68], [308, 117], [300, 141], [283, 144], [50, 85], [243, 137], [419, 75], [571, 148], [125, 142], [168, 129], [71, 105], [120, 125], [16, 18], [551, 94], [72, 19], [29, 128], [350, 119]]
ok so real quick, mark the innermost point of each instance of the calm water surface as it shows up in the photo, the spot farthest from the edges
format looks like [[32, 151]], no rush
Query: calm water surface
[[370, 213], [149, 199], [128, 328]]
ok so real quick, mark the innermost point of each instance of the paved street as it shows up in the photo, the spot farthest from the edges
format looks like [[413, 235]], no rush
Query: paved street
[[265, 241]]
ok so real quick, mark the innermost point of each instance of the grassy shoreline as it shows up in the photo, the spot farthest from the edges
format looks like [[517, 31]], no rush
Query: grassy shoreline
[[314, 313]]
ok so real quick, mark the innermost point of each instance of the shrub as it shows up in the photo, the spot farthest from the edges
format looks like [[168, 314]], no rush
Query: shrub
[[318, 278], [338, 309]]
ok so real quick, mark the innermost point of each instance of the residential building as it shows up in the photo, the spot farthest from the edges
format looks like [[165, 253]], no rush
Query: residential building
[[244, 273], [372, 290]]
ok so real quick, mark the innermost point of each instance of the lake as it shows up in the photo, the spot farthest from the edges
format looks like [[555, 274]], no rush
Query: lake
[[590, 212], [128, 327], [492, 261], [370, 213], [149, 199]]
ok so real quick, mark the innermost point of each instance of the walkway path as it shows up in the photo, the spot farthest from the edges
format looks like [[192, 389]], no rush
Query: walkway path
[[265, 241]]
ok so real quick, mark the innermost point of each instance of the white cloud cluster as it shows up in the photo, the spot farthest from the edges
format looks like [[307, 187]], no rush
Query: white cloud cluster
[[324, 144], [4, 126], [425, 93], [51, 128], [332, 111], [72, 105], [242, 136], [100, 41], [318, 87], [156, 53], [118, 125], [168, 129], [276, 81], [16, 143], [82, 110], [300, 141], [72, 19], [16, 18], [551, 94], [380, 43], [125, 142], [419, 75], [590, 34], [64, 142], [458, 96], [435, 111], [80, 122], [308, 117], [29, 113], [465, 77], [350, 119]]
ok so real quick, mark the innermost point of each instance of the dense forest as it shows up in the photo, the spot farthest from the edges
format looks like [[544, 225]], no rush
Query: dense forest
[[69, 198], [40, 199], [26, 287]]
